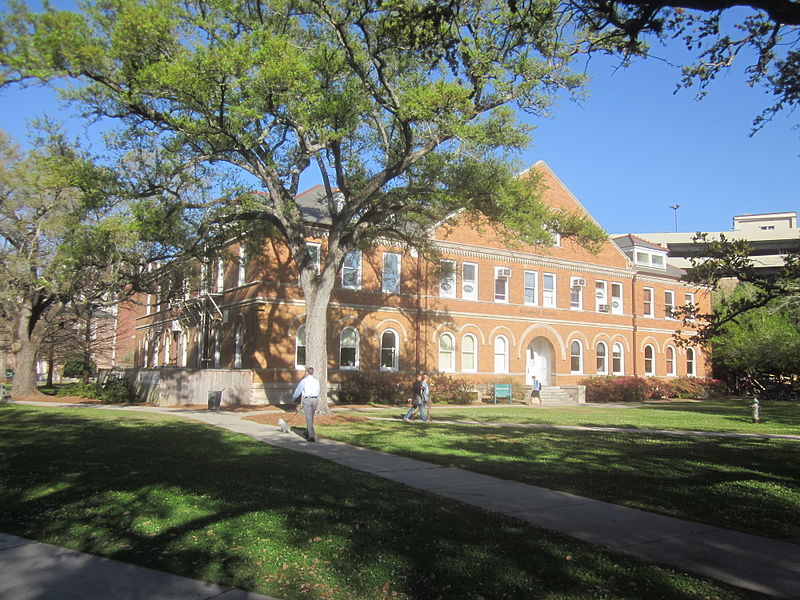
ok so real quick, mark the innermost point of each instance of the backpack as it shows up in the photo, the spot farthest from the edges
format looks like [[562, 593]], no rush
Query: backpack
[[416, 393]]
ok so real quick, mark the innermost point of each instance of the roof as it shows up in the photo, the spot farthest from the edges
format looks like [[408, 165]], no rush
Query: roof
[[629, 240]]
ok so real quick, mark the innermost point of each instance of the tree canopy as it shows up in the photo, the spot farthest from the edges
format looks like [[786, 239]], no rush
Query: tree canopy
[[402, 109]]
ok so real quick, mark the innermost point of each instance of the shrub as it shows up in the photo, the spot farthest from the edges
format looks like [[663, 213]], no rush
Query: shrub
[[374, 388], [637, 389], [113, 391]]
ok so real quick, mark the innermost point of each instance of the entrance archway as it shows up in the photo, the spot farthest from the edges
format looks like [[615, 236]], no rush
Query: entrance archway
[[539, 355]]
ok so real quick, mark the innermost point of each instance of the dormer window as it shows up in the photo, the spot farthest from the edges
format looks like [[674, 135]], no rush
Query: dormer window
[[650, 258]]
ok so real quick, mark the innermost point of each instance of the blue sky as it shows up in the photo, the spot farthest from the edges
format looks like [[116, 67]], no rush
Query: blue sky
[[634, 148]]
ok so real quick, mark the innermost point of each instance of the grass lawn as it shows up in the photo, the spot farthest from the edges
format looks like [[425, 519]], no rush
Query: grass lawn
[[748, 484], [205, 503]]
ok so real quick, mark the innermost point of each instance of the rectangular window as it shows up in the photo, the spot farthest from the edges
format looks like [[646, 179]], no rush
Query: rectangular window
[[447, 281], [647, 297], [576, 285], [669, 303], [242, 277], [616, 298], [688, 300], [601, 303], [391, 273], [351, 270], [220, 275], [469, 281], [531, 284], [548, 289], [314, 253], [501, 276]]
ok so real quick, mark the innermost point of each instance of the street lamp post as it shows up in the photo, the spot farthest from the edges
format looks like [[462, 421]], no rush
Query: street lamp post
[[675, 208]]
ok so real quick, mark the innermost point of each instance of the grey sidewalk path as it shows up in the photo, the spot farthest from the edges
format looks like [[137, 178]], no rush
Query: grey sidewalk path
[[35, 571], [756, 563]]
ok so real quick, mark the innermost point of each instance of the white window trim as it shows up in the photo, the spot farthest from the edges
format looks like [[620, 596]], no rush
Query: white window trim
[[357, 285], [452, 367], [576, 289], [504, 366], [238, 346], [448, 291], [474, 368], [356, 360], [535, 288], [553, 303], [383, 273], [652, 371], [669, 307], [242, 274], [580, 358], [318, 255], [674, 371], [621, 359], [692, 362], [617, 310], [297, 345], [396, 348], [497, 278], [473, 295], [601, 295], [604, 370], [220, 283], [645, 311]]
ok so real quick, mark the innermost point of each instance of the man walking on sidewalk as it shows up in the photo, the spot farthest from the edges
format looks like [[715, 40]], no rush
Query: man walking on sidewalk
[[308, 393]]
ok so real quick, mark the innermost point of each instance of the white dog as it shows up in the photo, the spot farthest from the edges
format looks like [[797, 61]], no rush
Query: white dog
[[283, 426]]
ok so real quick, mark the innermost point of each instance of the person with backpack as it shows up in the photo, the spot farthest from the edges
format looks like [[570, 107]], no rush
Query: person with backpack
[[420, 392]]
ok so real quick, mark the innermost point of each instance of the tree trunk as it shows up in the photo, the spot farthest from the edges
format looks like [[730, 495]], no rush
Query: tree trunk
[[26, 346], [317, 291], [86, 375]]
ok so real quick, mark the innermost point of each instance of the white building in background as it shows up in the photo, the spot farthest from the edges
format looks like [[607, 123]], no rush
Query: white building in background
[[770, 235]]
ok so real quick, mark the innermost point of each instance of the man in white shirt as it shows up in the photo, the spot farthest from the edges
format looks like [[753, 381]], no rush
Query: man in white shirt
[[308, 392]]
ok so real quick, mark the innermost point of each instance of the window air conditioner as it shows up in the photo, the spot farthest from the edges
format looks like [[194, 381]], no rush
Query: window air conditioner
[[604, 308], [578, 282], [504, 272]]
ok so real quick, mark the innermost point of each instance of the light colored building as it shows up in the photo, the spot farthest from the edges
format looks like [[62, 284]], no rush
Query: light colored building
[[770, 235], [491, 311]]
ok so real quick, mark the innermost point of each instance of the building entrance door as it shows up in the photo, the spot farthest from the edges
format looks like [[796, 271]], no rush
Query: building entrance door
[[539, 361]]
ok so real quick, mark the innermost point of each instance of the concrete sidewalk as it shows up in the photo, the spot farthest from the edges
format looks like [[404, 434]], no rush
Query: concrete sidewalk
[[35, 571], [748, 561]]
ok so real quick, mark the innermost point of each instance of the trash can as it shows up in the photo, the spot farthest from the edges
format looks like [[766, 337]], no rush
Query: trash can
[[214, 400]]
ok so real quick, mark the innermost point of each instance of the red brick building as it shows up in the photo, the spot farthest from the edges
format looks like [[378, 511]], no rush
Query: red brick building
[[490, 310]]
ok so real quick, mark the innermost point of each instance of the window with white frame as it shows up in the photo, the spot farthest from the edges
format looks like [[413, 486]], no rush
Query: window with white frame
[[390, 277], [447, 353], [601, 303], [690, 363], [447, 280], [649, 361], [501, 354], [220, 285], [616, 298], [389, 350], [669, 304], [218, 348], [351, 270], [348, 348], [602, 358], [670, 356], [469, 345], [617, 359], [242, 274], [315, 254], [146, 354], [469, 281], [530, 287], [576, 357], [576, 285], [238, 345], [556, 238], [548, 289], [300, 347], [184, 355], [167, 347], [501, 277], [688, 300], [647, 299], [650, 258]]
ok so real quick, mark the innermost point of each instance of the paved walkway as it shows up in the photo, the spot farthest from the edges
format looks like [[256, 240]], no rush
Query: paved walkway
[[748, 561]]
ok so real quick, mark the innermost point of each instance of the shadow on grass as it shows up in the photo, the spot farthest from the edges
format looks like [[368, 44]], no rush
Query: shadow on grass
[[752, 485], [198, 501]]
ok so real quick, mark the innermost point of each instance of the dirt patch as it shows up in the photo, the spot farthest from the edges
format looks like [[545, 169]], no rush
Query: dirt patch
[[299, 420], [55, 399]]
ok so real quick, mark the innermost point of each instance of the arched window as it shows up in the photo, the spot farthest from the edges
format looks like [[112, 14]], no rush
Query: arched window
[[602, 359], [242, 274], [447, 353], [576, 357], [469, 362], [348, 349], [146, 354], [617, 359], [690, 362], [218, 348], [156, 349], [238, 345], [184, 349], [167, 347], [649, 361], [300, 348], [389, 351], [500, 354], [670, 353]]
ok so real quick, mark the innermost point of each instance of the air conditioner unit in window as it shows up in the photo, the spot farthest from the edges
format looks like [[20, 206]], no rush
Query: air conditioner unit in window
[[604, 308], [504, 272], [578, 282]]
